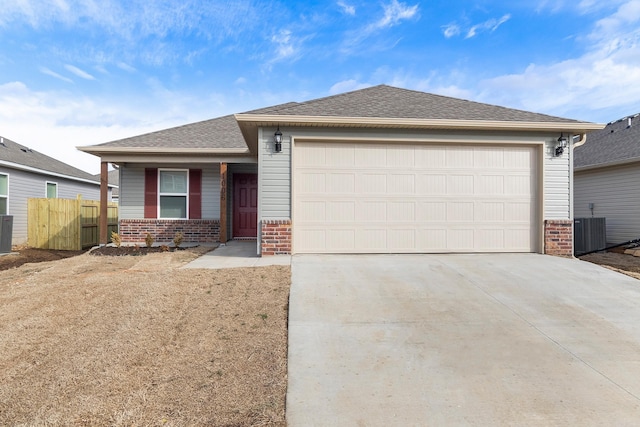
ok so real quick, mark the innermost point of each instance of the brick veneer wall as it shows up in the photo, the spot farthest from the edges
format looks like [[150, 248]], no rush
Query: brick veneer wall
[[276, 237], [558, 237], [164, 230]]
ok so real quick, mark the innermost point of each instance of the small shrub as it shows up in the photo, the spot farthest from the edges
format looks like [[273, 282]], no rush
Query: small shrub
[[115, 239], [164, 248], [149, 240], [177, 239]]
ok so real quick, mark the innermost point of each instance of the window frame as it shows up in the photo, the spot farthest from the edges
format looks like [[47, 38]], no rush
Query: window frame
[[161, 193], [46, 189], [5, 196]]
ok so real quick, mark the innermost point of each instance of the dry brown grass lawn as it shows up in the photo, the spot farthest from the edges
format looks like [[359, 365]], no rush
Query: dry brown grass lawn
[[137, 341]]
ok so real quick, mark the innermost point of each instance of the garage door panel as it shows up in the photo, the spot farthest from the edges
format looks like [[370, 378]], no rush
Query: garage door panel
[[488, 158], [372, 211], [402, 183], [468, 199], [489, 184], [429, 157], [459, 157], [431, 184], [371, 183], [432, 212], [458, 185], [341, 211], [401, 212]]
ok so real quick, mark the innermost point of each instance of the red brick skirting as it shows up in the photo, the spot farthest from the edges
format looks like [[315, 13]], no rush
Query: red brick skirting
[[558, 237], [164, 230], [276, 237]]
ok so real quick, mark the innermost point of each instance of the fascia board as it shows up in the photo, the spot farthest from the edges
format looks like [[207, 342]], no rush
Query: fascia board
[[266, 119]]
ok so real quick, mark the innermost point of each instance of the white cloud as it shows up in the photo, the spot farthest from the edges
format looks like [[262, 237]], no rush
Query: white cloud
[[78, 72], [126, 67], [451, 30], [347, 86], [394, 13], [601, 81], [284, 44], [45, 70], [490, 25], [55, 122], [347, 9]]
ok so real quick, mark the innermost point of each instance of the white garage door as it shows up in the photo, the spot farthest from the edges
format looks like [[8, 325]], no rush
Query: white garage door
[[391, 198]]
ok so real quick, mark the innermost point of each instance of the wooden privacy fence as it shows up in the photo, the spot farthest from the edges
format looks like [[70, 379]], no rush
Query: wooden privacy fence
[[67, 224]]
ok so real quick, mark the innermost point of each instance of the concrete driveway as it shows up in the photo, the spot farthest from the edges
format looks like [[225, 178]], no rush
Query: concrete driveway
[[432, 340]]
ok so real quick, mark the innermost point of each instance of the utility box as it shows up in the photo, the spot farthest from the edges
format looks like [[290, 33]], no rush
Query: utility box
[[589, 234], [6, 233]]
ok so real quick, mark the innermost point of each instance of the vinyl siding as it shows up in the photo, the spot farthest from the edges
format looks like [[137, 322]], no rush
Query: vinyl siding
[[615, 194], [274, 170], [131, 202], [24, 185], [557, 184]]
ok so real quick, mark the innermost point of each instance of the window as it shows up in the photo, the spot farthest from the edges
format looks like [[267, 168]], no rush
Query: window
[[52, 190], [173, 193], [181, 191], [4, 194]]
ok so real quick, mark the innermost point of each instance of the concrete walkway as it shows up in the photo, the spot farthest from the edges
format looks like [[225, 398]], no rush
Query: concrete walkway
[[464, 340], [235, 254]]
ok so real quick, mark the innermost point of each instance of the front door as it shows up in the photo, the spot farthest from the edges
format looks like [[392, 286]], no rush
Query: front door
[[245, 205]]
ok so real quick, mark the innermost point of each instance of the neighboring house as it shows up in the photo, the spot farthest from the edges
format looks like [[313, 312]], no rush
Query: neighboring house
[[607, 178], [378, 170], [26, 173], [114, 182]]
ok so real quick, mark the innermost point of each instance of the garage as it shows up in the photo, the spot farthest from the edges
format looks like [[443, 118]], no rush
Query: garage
[[368, 197]]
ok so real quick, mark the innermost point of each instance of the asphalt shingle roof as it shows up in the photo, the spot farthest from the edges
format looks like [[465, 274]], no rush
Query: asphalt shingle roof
[[375, 102], [391, 102], [221, 132], [13, 152], [615, 143]]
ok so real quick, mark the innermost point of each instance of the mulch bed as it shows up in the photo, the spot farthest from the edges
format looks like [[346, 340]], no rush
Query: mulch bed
[[132, 250]]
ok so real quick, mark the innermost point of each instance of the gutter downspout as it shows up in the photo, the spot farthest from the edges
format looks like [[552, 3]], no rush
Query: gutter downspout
[[583, 139]]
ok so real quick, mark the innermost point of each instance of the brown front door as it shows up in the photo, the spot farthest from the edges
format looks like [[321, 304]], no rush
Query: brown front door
[[245, 205]]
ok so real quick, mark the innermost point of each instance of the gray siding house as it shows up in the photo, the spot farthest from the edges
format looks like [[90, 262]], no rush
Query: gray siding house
[[607, 178], [378, 170], [26, 173]]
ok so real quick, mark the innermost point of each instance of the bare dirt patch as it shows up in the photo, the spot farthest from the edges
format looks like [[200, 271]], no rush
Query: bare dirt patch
[[23, 255], [623, 263], [99, 340]]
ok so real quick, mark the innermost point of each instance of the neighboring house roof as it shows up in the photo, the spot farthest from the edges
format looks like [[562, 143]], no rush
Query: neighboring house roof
[[18, 156], [378, 106], [617, 143], [114, 181]]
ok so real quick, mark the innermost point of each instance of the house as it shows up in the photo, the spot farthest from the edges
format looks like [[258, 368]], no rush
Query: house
[[26, 173], [377, 170], [114, 181], [607, 178]]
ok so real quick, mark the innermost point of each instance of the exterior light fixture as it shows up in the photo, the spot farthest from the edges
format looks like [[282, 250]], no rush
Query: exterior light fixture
[[277, 139], [561, 145]]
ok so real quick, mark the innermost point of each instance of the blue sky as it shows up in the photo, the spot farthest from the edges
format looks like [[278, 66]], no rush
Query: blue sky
[[81, 72]]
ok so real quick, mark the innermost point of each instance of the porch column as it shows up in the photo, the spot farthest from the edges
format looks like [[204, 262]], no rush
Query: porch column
[[104, 195], [223, 203]]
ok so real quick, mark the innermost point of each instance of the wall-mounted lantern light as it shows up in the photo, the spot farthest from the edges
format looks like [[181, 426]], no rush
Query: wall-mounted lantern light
[[561, 145], [277, 139]]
